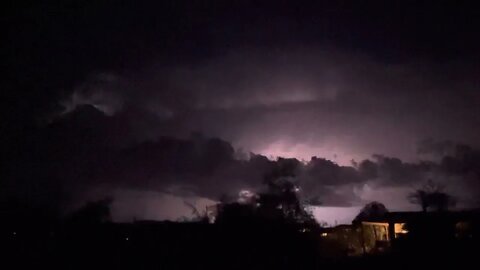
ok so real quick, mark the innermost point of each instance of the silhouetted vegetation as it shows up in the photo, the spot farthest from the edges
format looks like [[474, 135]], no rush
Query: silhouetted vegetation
[[432, 197], [254, 233], [92, 213], [372, 211]]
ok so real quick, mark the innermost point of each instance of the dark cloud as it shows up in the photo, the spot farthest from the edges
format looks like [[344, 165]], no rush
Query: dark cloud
[[84, 150], [102, 96], [393, 171], [350, 105], [453, 158], [248, 72]]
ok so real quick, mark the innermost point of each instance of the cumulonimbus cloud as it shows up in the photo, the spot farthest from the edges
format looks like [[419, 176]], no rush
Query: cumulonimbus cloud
[[86, 149]]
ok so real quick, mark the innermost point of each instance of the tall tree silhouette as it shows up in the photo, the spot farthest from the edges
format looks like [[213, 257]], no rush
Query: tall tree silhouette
[[432, 197]]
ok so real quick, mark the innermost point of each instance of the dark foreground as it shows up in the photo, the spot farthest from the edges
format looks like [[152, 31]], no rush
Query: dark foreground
[[153, 245]]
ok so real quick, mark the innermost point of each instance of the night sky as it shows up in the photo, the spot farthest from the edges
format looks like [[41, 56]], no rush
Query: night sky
[[157, 103]]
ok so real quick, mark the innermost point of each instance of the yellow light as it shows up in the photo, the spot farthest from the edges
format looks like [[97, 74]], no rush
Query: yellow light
[[400, 228]]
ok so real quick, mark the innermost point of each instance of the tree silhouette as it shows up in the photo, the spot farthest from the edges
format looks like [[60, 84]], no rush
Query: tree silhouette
[[431, 196], [371, 211], [279, 203], [420, 197], [92, 213], [282, 196]]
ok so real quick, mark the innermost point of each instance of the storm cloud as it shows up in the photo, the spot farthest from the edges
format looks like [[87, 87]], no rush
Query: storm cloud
[[204, 99], [304, 101], [86, 152]]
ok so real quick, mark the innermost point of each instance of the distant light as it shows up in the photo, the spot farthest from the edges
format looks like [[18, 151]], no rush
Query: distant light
[[126, 238], [324, 234]]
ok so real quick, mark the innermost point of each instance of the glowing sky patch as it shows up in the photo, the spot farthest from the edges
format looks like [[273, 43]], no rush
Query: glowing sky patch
[[284, 148], [335, 215]]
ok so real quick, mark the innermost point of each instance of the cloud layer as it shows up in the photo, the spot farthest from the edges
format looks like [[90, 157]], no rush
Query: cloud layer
[[102, 99], [85, 152], [298, 101]]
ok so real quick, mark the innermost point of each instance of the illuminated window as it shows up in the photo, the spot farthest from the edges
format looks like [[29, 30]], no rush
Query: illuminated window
[[400, 229]]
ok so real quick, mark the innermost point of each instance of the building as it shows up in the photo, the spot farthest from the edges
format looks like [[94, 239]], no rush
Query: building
[[404, 230], [397, 229]]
